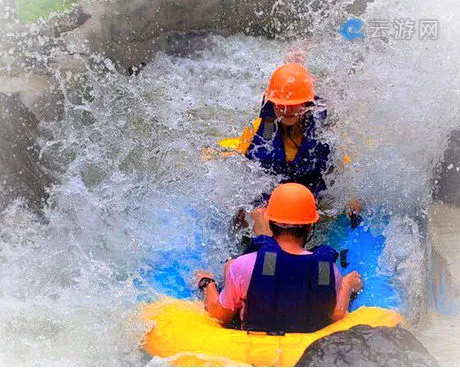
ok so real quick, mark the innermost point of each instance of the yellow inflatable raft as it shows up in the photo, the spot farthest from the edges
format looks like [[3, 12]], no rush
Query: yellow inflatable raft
[[185, 333]]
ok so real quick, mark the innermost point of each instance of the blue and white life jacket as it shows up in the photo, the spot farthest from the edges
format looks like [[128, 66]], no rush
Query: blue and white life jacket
[[311, 161], [290, 293]]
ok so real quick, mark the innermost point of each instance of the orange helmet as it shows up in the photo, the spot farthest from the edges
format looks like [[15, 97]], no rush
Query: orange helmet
[[292, 204], [290, 84]]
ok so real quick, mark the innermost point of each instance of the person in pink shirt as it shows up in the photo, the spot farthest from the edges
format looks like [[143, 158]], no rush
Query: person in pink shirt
[[282, 287]]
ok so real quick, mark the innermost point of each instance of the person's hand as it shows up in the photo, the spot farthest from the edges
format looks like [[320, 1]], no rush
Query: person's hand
[[209, 154], [200, 274], [261, 226], [239, 220], [258, 214], [353, 207], [353, 281]]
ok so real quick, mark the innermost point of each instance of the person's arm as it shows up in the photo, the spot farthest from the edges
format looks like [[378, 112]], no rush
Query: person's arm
[[211, 299], [261, 224], [208, 154], [350, 284], [212, 305]]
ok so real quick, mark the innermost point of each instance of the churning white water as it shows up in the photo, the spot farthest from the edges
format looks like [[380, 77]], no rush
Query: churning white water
[[133, 185]]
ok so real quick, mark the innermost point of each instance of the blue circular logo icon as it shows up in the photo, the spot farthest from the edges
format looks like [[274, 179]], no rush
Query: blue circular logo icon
[[350, 30]]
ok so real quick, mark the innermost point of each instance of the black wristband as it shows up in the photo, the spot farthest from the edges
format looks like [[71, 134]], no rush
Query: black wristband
[[205, 281]]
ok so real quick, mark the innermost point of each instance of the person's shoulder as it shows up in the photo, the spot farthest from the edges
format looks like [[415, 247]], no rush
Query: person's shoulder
[[245, 258], [325, 250], [244, 262], [263, 240]]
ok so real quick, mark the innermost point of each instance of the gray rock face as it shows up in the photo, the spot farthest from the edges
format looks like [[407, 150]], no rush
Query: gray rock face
[[366, 346], [20, 173], [34, 48], [448, 186], [131, 32]]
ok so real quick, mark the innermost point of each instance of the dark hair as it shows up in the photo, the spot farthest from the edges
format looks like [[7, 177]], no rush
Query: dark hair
[[300, 232]]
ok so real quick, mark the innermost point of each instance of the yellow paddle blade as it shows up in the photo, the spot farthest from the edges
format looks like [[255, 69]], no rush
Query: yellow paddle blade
[[229, 143]]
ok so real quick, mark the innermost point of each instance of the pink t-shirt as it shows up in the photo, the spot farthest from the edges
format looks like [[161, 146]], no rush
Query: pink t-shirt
[[238, 277]]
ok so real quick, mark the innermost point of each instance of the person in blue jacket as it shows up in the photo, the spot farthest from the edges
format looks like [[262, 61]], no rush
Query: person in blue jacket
[[284, 138], [282, 287]]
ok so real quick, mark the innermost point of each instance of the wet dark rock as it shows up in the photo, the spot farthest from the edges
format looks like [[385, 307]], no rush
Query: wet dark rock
[[448, 179], [183, 43], [366, 346], [132, 32], [66, 21], [39, 94], [49, 105], [20, 172], [36, 47]]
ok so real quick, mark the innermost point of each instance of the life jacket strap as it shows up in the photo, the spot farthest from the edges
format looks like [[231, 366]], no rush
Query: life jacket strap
[[269, 129]]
